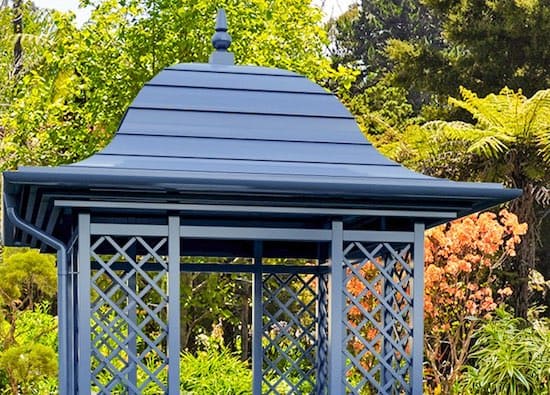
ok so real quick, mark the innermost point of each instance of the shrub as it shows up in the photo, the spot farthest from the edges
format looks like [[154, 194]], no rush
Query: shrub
[[510, 356], [214, 371]]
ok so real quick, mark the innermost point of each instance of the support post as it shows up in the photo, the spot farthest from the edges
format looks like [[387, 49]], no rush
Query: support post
[[336, 311], [132, 335], [418, 309], [84, 315], [173, 305], [257, 322]]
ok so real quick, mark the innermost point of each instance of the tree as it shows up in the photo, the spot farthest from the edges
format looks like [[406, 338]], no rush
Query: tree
[[27, 348], [490, 45], [508, 142], [360, 35]]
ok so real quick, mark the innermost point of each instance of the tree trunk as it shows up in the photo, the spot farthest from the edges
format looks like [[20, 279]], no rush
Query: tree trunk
[[18, 31], [524, 262]]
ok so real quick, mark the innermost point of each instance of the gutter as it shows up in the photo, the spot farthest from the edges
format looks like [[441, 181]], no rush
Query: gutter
[[62, 273]]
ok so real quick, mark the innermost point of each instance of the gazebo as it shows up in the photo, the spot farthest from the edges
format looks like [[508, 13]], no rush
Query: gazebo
[[221, 160]]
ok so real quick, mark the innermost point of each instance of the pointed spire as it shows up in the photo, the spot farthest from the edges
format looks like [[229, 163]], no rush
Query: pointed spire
[[221, 40]]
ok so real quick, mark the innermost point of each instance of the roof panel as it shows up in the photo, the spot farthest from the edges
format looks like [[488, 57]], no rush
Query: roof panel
[[215, 148], [250, 166], [237, 81], [224, 69], [246, 102], [241, 126]]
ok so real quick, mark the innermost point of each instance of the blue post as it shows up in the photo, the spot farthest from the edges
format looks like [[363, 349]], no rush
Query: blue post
[[336, 311], [418, 309]]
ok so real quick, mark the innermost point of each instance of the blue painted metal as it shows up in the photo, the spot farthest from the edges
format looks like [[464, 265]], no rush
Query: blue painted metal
[[174, 346], [221, 40], [418, 310], [84, 378], [336, 317]]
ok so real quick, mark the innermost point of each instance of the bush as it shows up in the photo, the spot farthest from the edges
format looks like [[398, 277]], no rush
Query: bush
[[214, 371], [510, 356]]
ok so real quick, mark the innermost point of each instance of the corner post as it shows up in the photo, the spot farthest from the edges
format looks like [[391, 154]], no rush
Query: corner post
[[84, 314], [257, 322], [174, 305], [336, 311], [418, 309]]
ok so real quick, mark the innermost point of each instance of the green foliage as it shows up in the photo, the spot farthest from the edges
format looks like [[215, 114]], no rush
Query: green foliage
[[505, 123], [29, 363], [25, 273], [510, 356], [27, 332], [214, 371], [360, 36], [490, 44], [380, 109]]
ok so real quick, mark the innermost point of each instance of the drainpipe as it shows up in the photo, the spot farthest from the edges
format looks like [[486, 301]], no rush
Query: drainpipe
[[61, 285]]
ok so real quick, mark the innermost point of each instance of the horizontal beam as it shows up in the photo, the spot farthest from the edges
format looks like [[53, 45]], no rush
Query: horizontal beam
[[379, 236], [253, 209], [222, 268], [248, 233], [254, 233], [128, 229]]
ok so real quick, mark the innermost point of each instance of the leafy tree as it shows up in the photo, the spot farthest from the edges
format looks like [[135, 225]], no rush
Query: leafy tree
[[27, 348], [360, 35], [507, 143], [490, 44]]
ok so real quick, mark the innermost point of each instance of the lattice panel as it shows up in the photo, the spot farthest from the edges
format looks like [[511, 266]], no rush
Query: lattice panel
[[294, 343], [378, 318], [129, 331]]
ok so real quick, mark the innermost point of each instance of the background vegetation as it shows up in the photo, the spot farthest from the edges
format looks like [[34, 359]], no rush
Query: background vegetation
[[451, 88]]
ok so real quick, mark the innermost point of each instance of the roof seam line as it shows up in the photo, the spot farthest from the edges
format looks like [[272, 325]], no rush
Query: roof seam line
[[236, 73], [130, 133], [246, 159], [166, 85], [240, 112]]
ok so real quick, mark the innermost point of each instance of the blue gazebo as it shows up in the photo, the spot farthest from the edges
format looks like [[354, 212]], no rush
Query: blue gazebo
[[238, 161]]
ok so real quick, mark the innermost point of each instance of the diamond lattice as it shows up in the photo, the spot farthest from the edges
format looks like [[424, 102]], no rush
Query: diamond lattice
[[378, 289], [290, 334], [129, 316]]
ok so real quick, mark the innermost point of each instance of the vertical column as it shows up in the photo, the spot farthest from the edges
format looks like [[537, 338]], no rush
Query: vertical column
[[418, 309], [132, 335], [83, 301], [336, 311], [257, 324], [63, 330], [72, 311], [173, 305]]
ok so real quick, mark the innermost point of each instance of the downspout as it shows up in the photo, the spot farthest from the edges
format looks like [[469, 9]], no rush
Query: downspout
[[62, 273]]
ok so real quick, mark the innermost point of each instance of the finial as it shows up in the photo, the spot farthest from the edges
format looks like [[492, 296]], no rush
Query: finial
[[221, 40]]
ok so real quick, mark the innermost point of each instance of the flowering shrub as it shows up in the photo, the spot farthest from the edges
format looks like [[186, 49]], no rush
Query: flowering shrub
[[460, 258]]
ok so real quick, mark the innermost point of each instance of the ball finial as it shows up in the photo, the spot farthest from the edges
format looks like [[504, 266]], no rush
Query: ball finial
[[221, 40]]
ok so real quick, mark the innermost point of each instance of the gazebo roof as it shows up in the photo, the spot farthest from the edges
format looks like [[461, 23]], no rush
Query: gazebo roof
[[220, 132]]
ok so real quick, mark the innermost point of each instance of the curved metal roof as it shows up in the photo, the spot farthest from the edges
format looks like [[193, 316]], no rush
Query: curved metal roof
[[244, 133], [245, 129]]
